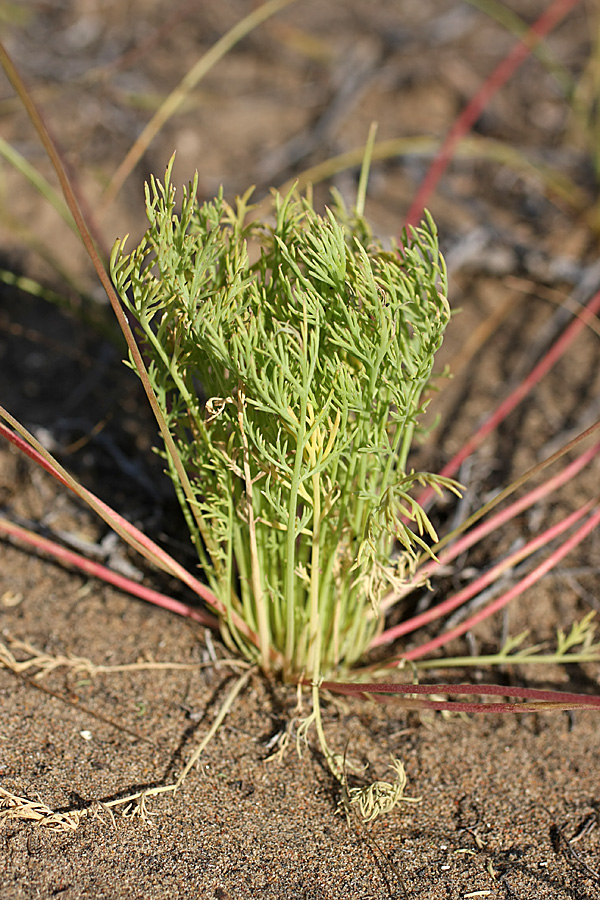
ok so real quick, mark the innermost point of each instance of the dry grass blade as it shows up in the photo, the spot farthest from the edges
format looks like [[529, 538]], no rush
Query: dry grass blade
[[546, 22], [187, 84], [379, 797], [14, 807], [31, 658]]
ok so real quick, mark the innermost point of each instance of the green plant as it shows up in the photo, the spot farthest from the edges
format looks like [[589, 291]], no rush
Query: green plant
[[289, 362], [247, 463]]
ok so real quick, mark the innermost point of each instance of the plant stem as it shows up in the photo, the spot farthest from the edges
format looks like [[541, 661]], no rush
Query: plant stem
[[290, 565], [259, 598], [314, 657]]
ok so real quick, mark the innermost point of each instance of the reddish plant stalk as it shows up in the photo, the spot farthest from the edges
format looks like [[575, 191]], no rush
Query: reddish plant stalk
[[137, 539], [479, 584], [546, 22], [557, 350], [530, 579], [542, 699], [97, 570], [462, 544]]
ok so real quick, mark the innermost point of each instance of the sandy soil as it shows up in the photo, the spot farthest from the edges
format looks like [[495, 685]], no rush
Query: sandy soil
[[510, 806]]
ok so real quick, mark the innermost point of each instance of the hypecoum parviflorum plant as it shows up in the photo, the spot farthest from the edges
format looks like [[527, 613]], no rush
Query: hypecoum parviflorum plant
[[289, 360]]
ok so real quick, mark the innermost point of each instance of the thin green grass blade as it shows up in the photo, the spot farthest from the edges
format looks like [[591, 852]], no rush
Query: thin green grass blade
[[187, 84], [37, 180]]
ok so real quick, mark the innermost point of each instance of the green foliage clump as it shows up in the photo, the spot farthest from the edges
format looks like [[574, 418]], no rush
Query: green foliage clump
[[289, 361]]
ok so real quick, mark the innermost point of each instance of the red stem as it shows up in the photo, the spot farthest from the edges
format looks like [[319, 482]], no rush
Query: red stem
[[515, 591], [546, 22], [537, 373], [459, 546], [483, 581], [554, 699], [62, 554], [138, 538]]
